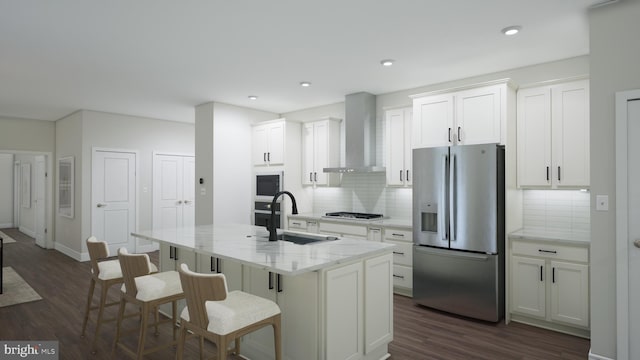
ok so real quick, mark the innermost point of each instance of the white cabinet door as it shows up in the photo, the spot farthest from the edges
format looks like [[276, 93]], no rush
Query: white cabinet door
[[395, 147], [478, 116], [433, 121], [398, 146], [321, 151], [213, 265], [534, 137], [378, 302], [260, 145], [570, 104], [344, 314], [570, 293], [308, 154], [275, 153], [528, 294]]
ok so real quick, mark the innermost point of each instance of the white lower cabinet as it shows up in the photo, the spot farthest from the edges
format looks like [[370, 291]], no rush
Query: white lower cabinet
[[345, 312], [170, 259], [214, 265], [402, 238], [549, 285], [304, 225], [340, 229]]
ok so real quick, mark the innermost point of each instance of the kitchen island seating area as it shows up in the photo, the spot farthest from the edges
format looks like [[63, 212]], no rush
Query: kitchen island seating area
[[221, 316], [147, 291], [104, 273]]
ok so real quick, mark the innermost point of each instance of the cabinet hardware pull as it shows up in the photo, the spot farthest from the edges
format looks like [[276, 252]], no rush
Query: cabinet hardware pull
[[211, 266], [218, 266], [175, 253], [296, 223], [394, 234], [401, 176], [553, 275], [541, 273], [170, 252], [270, 281], [310, 177], [374, 229], [311, 223], [398, 253], [279, 282], [558, 173], [459, 134], [315, 176], [101, 205], [264, 157], [547, 251], [269, 156], [398, 276], [407, 175], [449, 134], [547, 173]]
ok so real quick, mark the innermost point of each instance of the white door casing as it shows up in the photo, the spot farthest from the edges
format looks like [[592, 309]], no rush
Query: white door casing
[[627, 226], [39, 186], [113, 198]]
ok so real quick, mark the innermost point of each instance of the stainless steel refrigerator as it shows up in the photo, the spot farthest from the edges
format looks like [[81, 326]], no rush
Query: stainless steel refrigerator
[[458, 229]]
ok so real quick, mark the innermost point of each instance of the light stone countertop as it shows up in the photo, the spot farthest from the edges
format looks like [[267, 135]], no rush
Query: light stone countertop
[[568, 237], [390, 222], [249, 245]]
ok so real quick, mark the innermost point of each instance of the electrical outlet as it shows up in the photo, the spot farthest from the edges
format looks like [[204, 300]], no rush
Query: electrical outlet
[[602, 202]]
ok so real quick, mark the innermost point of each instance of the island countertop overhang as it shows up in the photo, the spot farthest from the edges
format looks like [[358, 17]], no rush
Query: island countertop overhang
[[249, 245]]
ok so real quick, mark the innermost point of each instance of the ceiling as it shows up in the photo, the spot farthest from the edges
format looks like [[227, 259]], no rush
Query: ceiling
[[160, 58]]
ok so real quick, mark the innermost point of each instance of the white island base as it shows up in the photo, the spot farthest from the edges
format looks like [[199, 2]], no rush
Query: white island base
[[342, 312]]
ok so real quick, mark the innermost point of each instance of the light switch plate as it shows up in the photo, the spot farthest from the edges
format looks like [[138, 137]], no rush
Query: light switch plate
[[602, 202]]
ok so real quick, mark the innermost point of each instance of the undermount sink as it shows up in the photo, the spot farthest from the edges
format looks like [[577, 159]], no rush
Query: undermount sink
[[304, 239]]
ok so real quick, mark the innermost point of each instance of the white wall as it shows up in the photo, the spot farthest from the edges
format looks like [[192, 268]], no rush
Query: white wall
[[223, 159], [27, 135], [6, 190], [615, 58]]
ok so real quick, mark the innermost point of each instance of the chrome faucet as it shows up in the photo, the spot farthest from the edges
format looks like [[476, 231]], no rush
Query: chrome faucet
[[271, 226]]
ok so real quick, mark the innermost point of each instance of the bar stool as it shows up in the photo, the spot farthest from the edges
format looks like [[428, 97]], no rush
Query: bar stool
[[221, 316], [147, 291], [105, 273]]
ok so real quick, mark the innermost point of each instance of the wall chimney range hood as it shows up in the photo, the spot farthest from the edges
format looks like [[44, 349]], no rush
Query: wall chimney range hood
[[360, 135]]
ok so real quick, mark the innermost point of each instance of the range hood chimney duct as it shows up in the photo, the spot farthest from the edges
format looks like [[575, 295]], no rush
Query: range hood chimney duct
[[360, 135]]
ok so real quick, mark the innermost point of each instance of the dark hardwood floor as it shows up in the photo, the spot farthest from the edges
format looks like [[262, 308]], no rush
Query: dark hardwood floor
[[419, 333]]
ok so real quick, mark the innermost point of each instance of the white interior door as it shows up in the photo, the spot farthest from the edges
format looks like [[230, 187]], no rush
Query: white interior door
[[113, 200], [173, 191], [40, 202], [628, 228]]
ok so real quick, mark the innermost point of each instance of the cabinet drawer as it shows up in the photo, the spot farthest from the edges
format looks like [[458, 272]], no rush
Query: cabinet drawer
[[398, 235], [343, 229], [402, 253], [550, 251], [298, 224], [403, 276]]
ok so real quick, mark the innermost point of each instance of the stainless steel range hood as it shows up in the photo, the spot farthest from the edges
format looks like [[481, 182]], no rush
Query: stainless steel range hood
[[360, 135]]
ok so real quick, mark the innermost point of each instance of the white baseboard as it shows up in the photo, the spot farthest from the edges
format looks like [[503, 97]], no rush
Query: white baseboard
[[78, 256], [593, 356], [6, 225], [26, 231]]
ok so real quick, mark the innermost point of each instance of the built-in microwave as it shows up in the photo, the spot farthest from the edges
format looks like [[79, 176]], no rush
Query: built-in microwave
[[268, 184]]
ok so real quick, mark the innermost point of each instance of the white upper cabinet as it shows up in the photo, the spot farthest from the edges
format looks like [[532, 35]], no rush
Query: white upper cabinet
[[553, 136], [321, 149], [466, 117], [268, 143], [398, 146]]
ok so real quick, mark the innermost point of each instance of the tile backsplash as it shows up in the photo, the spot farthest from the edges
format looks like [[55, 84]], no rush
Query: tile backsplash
[[557, 210], [364, 193]]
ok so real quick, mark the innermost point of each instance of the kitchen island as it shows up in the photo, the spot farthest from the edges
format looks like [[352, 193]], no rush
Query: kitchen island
[[335, 296]]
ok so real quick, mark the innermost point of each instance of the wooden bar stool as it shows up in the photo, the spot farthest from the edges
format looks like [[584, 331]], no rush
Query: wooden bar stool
[[147, 291], [221, 316], [105, 273]]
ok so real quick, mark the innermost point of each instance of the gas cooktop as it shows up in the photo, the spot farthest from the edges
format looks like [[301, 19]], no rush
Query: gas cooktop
[[353, 215]]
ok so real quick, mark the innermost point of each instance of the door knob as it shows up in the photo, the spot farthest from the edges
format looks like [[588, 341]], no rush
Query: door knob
[[637, 243], [179, 202], [101, 205]]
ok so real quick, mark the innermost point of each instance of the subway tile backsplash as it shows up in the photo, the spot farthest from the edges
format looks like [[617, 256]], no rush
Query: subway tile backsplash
[[557, 210], [364, 193]]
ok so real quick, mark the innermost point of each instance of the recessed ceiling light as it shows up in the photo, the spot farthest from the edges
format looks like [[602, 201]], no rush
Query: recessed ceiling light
[[511, 30], [386, 62], [253, 97], [305, 84]]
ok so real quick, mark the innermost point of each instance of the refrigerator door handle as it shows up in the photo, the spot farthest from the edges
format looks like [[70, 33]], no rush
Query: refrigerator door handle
[[452, 198], [444, 209]]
